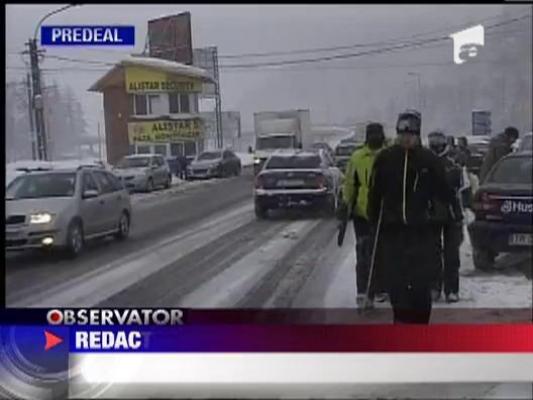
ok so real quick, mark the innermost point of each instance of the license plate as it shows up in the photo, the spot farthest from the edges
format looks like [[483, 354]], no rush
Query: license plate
[[290, 182], [521, 239]]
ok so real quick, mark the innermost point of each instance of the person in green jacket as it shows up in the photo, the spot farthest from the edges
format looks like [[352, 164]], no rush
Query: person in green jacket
[[355, 197]]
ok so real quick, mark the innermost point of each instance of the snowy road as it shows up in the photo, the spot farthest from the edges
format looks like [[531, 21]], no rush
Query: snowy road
[[200, 245]]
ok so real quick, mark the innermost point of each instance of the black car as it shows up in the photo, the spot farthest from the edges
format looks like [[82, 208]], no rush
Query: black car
[[214, 164], [503, 208], [299, 179]]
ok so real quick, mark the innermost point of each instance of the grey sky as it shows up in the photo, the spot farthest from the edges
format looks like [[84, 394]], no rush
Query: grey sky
[[332, 94]]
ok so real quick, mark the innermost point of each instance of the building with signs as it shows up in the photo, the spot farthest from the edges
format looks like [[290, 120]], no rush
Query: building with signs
[[151, 105]]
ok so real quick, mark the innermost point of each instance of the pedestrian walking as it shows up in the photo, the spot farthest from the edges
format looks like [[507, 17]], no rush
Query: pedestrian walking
[[448, 232], [406, 177], [355, 193]]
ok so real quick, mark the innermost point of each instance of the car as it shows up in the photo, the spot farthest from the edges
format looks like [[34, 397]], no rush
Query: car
[[297, 179], [143, 172], [343, 152], [214, 164], [503, 207], [62, 208]]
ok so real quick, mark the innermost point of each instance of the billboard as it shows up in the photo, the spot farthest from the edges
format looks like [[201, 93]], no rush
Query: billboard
[[143, 80], [206, 58], [164, 131], [170, 38], [481, 123]]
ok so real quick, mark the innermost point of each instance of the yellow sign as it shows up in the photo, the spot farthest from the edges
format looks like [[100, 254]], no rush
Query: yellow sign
[[164, 131], [143, 80]]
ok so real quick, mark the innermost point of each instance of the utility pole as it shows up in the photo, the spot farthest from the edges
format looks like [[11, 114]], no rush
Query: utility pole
[[218, 105], [38, 101], [30, 114]]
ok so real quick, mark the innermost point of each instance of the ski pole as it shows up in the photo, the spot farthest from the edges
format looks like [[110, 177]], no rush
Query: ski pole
[[373, 258]]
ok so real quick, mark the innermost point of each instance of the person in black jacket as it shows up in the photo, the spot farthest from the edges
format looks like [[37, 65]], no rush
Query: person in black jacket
[[448, 233], [406, 177]]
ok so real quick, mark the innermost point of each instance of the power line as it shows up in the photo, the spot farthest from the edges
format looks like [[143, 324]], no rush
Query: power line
[[404, 46], [347, 47], [363, 53]]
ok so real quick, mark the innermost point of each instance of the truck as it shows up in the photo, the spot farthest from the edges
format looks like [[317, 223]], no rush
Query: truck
[[280, 130]]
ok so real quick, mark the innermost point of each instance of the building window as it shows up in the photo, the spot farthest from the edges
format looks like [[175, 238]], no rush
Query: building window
[[179, 103], [185, 105], [173, 103], [190, 148], [140, 105], [176, 149], [143, 149], [161, 149], [155, 105]]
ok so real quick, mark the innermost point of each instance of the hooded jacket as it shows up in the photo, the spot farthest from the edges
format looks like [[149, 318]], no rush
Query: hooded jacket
[[406, 181], [357, 180]]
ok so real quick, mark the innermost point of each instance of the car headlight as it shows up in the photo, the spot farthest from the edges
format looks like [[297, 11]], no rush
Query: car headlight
[[41, 218], [257, 161]]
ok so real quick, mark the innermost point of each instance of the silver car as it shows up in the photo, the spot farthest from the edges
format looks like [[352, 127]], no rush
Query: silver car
[[143, 172], [62, 208], [298, 179]]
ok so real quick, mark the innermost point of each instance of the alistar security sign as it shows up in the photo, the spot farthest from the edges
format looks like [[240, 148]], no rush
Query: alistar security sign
[[94, 35]]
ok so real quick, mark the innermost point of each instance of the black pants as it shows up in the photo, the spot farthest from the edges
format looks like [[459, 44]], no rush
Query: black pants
[[408, 268], [448, 239], [364, 242]]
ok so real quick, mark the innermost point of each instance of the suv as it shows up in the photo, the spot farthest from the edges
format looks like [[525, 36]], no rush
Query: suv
[[503, 206], [62, 208], [144, 172]]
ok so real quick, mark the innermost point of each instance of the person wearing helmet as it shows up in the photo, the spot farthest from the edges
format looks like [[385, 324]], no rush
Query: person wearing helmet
[[448, 233], [355, 193], [406, 177]]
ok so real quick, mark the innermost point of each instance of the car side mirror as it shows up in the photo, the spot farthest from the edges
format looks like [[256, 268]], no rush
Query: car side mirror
[[90, 194]]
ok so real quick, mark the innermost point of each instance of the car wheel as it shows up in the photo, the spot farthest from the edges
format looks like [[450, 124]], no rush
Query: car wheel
[[150, 185], [238, 171], [123, 226], [483, 259], [260, 211], [75, 241]]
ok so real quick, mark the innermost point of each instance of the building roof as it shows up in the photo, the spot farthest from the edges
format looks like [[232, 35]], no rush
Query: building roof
[[115, 75]]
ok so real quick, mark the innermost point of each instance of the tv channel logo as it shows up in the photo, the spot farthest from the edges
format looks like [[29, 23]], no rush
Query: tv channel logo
[[94, 35], [467, 43]]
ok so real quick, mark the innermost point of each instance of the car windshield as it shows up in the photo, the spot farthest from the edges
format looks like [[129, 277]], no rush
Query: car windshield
[[275, 142], [344, 150], [304, 162], [513, 170], [210, 155], [42, 186], [134, 162]]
